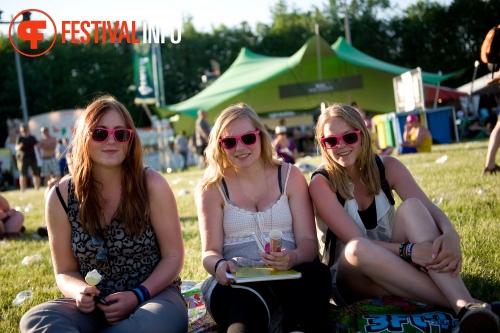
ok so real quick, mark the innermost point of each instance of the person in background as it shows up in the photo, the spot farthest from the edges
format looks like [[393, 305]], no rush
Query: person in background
[[491, 167], [47, 148], [181, 147], [284, 146], [362, 113], [117, 217], [245, 190], [26, 158], [11, 221], [476, 130], [412, 252], [202, 132], [416, 137], [62, 146], [491, 121]]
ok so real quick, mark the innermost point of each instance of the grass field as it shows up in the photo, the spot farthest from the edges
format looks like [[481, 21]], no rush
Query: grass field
[[471, 201]]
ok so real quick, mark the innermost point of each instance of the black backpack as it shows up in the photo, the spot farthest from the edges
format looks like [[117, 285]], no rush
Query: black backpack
[[490, 49], [331, 238]]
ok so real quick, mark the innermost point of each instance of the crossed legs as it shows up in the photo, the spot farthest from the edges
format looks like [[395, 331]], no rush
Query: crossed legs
[[368, 270]]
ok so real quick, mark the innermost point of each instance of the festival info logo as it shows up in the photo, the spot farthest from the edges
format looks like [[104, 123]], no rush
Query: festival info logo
[[33, 32]]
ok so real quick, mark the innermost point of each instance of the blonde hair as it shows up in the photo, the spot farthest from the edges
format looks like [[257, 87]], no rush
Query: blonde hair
[[339, 179], [216, 157], [133, 210]]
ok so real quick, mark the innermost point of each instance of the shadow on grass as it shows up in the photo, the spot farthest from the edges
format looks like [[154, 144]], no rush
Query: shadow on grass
[[484, 289]]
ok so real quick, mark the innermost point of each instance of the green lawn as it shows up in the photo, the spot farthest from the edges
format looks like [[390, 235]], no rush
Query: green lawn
[[471, 201]]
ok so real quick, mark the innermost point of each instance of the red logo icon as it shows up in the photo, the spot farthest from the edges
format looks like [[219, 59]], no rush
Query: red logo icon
[[32, 31]]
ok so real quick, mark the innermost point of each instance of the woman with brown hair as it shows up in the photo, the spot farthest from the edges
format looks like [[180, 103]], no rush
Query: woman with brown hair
[[119, 218]]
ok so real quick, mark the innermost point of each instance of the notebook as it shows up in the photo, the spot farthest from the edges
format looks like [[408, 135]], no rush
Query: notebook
[[255, 274]]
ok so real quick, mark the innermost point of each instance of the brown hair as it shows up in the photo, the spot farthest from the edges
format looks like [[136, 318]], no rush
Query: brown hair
[[133, 209], [216, 156], [339, 179]]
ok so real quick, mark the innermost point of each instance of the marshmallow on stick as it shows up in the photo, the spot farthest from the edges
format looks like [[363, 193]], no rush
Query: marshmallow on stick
[[93, 278]]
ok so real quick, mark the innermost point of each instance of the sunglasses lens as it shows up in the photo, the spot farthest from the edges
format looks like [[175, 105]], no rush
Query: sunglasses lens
[[350, 138], [331, 142], [228, 143], [100, 135], [249, 139], [122, 135]]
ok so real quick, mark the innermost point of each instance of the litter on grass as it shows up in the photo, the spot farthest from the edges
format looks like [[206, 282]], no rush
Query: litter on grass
[[21, 297], [31, 259], [442, 159]]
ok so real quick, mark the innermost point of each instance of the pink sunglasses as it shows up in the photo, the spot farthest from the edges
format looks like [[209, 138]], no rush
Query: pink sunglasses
[[230, 142], [121, 135], [333, 141]]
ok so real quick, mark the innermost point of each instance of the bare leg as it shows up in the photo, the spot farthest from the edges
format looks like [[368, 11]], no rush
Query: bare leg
[[368, 270], [493, 145], [23, 183], [36, 182], [14, 223], [414, 223]]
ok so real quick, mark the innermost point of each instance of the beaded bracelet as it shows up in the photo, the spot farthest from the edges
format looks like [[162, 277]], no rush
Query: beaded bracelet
[[402, 247], [142, 294]]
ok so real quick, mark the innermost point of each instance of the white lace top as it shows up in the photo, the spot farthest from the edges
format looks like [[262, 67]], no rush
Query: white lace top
[[239, 223]]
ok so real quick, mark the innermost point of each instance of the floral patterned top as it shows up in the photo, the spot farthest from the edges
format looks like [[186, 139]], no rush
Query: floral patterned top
[[131, 261]]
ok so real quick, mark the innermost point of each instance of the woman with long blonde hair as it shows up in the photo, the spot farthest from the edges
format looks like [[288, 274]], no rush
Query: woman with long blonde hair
[[246, 190], [412, 252]]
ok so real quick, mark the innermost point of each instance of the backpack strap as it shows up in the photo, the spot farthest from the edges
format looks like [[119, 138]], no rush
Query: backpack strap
[[330, 238], [322, 171], [383, 181]]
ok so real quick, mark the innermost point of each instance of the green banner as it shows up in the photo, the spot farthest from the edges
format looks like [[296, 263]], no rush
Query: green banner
[[144, 72]]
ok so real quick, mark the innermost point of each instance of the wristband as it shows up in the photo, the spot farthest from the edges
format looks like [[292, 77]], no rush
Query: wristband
[[142, 294], [218, 263], [401, 250]]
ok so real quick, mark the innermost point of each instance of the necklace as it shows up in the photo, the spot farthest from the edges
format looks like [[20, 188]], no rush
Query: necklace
[[258, 215]]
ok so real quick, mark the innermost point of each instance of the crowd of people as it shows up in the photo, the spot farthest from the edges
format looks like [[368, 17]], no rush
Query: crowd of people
[[113, 215]]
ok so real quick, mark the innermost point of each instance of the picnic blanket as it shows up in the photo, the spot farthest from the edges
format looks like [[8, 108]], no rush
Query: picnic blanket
[[380, 314]]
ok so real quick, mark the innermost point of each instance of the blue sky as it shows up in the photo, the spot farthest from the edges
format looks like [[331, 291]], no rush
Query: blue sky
[[205, 13]]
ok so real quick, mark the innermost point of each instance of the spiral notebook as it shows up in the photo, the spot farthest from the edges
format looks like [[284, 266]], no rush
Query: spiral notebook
[[255, 274]]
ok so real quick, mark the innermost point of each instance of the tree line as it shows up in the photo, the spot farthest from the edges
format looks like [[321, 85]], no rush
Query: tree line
[[427, 34]]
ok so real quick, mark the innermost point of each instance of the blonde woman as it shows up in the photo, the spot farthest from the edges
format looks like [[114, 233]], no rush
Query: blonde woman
[[413, 252], [247, 190]]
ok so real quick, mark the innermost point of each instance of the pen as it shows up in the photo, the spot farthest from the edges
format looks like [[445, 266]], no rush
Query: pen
[[259, 245]]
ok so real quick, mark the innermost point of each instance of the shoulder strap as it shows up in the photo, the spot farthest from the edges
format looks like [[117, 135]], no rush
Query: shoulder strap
[[322, 171], [383, 181], [280, 180], [330, 238], [66, 209], [223, 181]]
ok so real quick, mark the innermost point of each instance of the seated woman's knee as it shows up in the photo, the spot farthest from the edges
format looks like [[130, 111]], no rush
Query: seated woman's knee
[[411, 203], [359, 249]]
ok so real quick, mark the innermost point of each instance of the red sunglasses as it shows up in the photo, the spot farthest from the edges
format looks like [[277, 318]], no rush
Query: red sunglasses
[[333, 141], [121, 135], [248, 139]]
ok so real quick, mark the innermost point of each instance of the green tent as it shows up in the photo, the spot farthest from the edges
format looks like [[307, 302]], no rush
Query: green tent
[[298, 83]]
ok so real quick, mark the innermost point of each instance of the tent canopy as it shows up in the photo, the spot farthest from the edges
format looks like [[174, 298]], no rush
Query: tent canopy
[[316, 73]]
